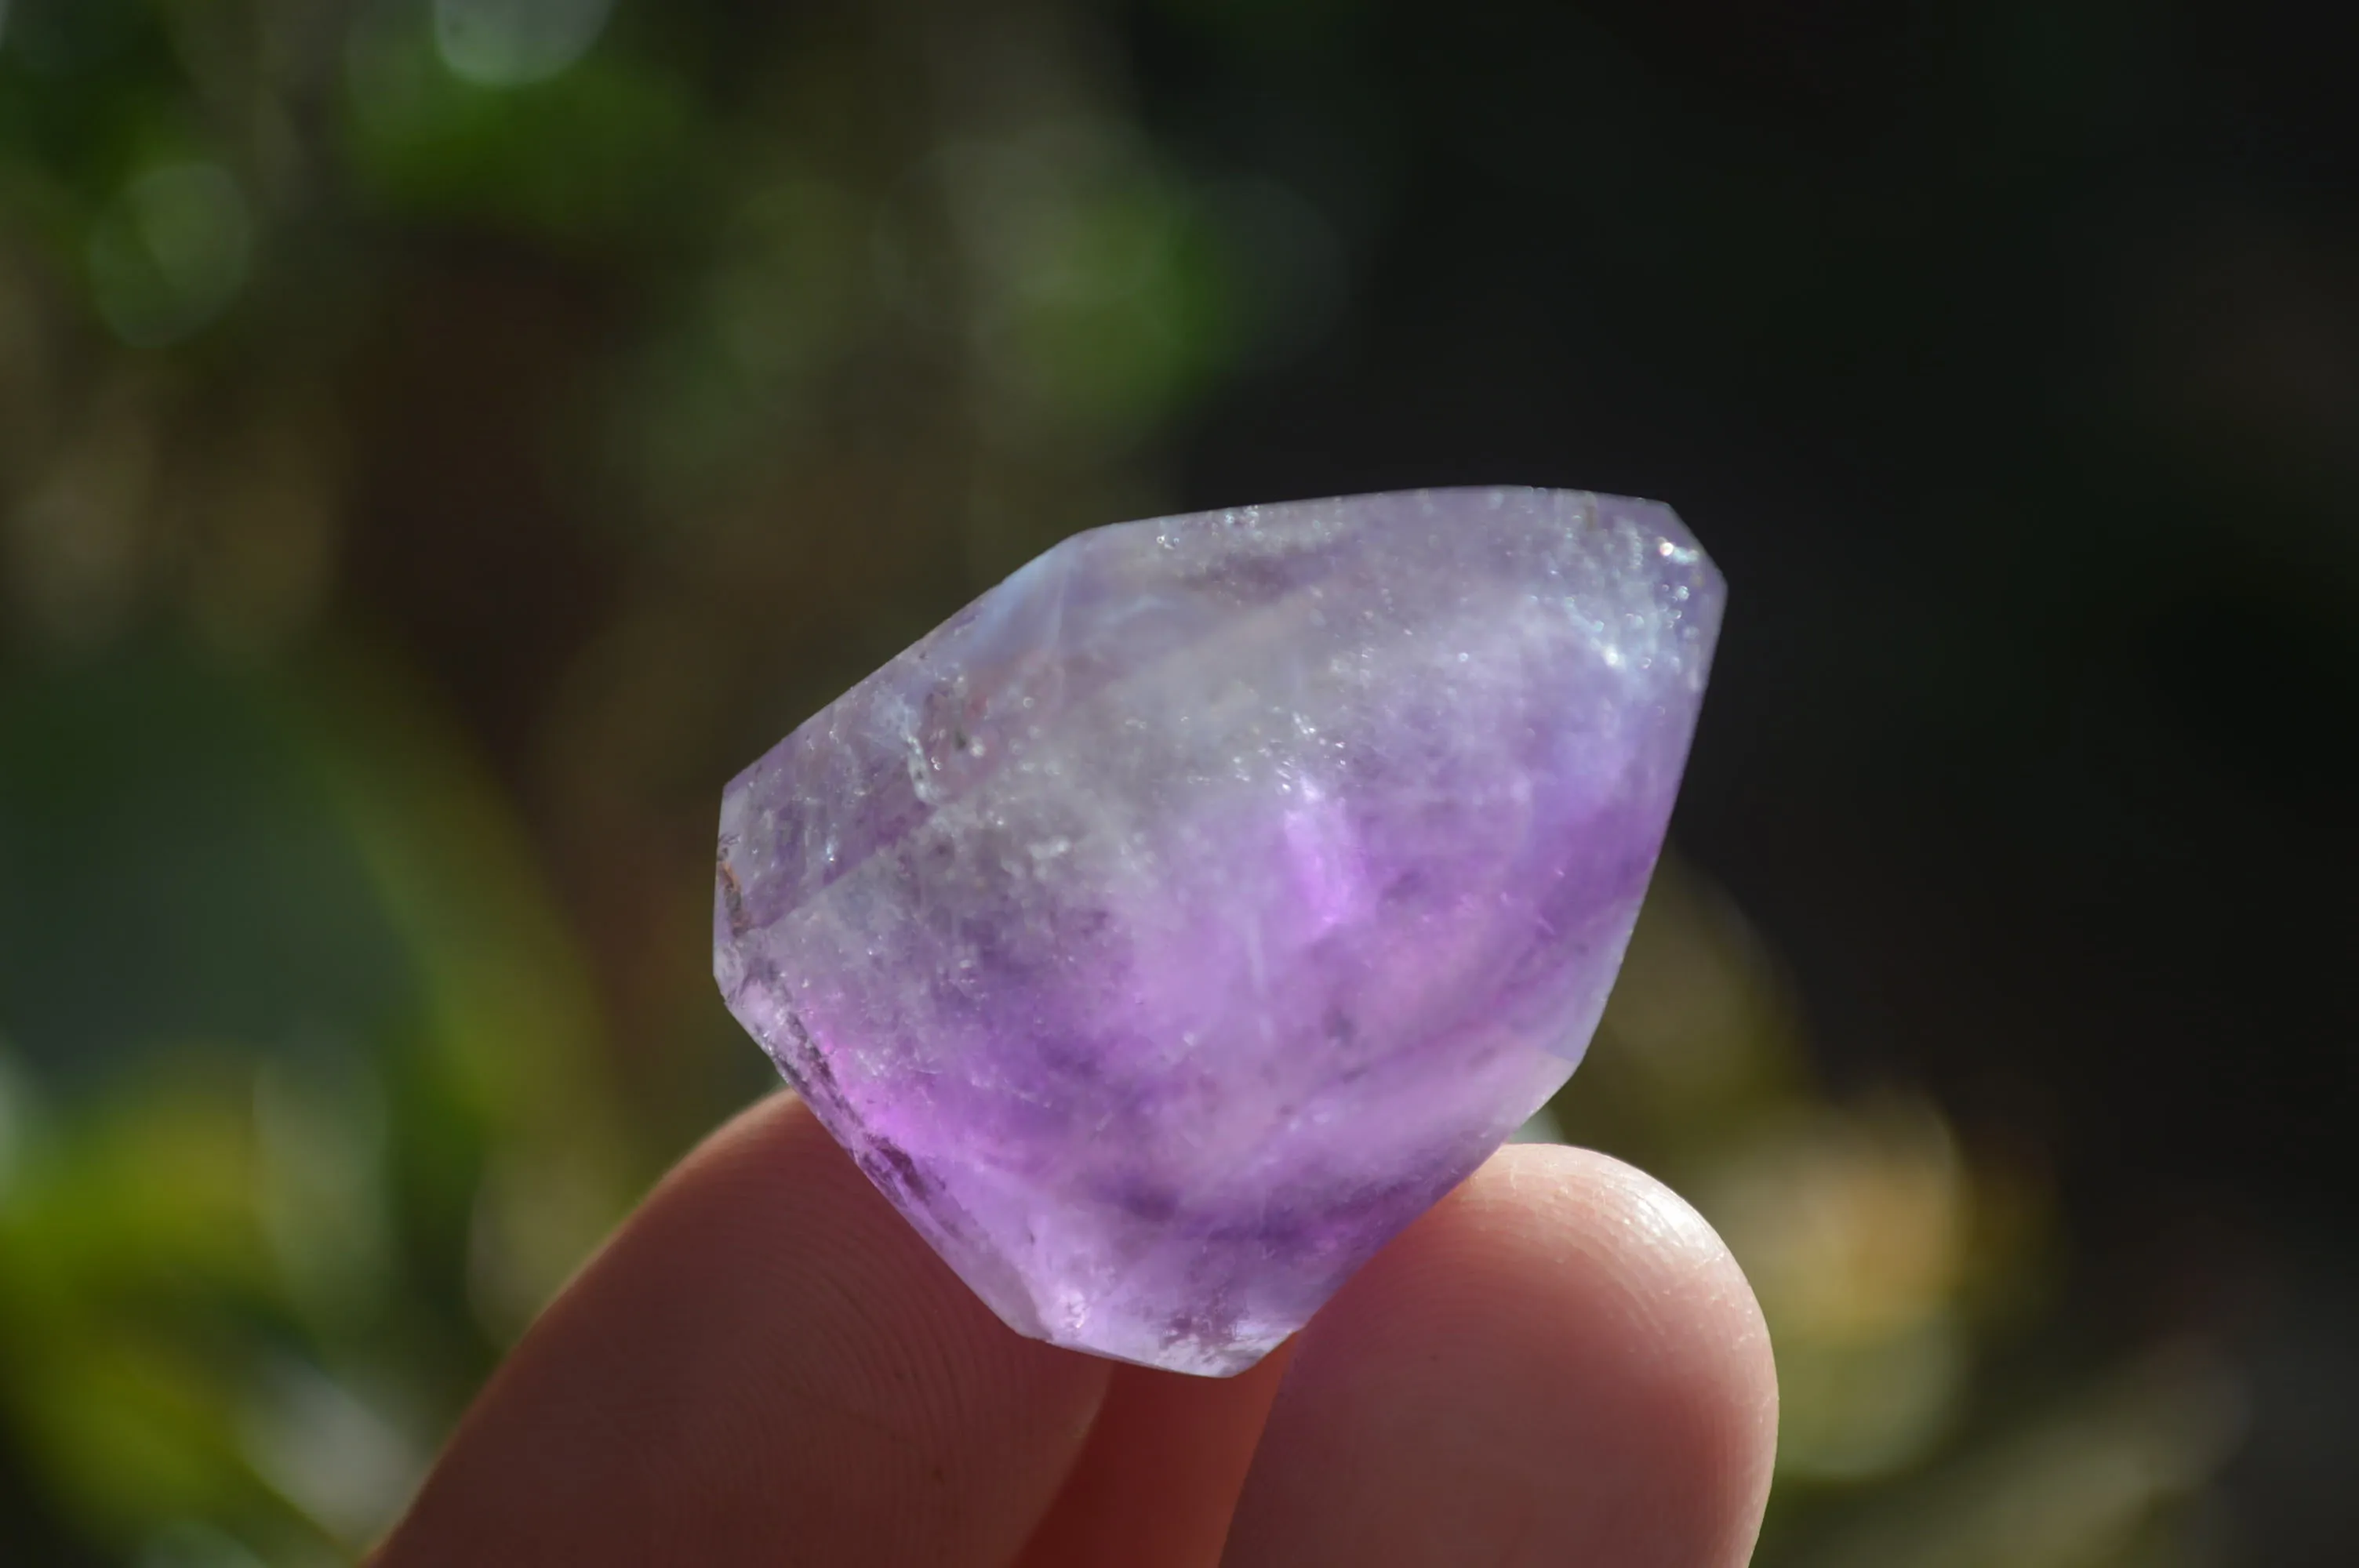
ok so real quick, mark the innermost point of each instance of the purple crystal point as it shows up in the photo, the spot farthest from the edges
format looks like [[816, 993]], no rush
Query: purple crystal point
[[1174, 924]]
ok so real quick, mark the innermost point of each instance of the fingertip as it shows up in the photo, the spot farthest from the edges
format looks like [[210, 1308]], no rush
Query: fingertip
[[1561, 1361]]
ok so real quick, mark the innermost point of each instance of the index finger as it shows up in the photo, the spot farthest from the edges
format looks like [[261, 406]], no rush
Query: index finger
[[765, 1365]]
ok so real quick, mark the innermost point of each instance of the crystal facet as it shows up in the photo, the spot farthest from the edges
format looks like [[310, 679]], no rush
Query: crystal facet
[[1171, 926]]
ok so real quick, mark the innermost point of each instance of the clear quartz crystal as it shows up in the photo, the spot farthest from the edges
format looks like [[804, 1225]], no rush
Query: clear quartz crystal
[[1177, 921]]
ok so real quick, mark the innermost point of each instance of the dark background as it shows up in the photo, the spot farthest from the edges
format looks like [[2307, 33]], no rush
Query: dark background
[[404, 545]]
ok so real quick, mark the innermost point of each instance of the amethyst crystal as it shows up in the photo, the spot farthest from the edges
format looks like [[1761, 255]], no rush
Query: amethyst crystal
[[1179, 920]]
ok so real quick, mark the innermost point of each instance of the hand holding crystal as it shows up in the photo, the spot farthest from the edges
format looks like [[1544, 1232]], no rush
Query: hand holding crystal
[[1560, 1363], [1162, 937]]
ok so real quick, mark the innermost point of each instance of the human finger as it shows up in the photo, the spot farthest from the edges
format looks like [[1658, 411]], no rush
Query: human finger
[[1559, 1364], [1157, 1482], [764, 1365]]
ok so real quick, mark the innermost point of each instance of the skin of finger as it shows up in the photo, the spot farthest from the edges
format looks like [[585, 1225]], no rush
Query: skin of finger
[[765, 1366], [1158, 1481], [1560, 1364]]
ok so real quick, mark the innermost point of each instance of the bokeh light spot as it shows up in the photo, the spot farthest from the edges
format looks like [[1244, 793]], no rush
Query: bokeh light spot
[[171, 253], [512, 43]]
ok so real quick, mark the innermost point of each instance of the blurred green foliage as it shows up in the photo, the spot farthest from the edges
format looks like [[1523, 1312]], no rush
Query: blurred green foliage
[[1933, 1412], [322, 1017], [353, 901], [304, 1112]]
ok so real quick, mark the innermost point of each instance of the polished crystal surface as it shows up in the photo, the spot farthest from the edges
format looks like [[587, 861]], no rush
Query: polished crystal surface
[[1170, 927]]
